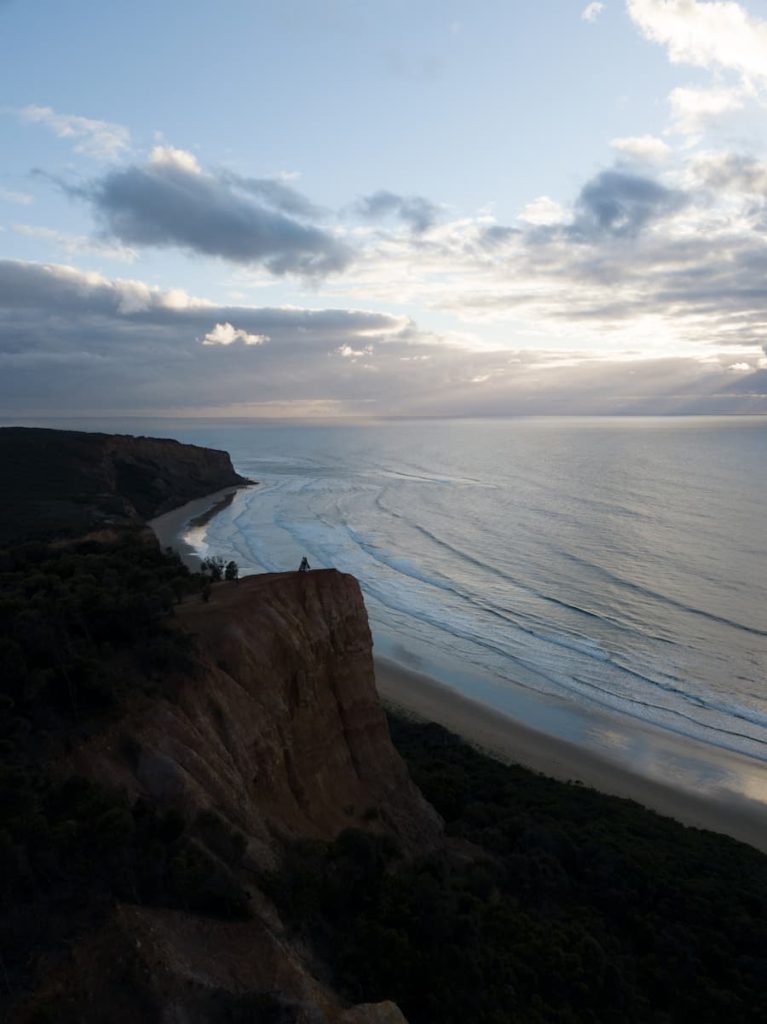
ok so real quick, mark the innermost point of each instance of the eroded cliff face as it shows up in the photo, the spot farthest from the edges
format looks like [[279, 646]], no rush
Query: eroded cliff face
[[281, 736], [282, 733], [65, 482]]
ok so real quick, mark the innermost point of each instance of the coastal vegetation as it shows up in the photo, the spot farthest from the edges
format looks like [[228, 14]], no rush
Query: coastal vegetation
[[546, 901], [60, 483], [84, 637], [215, 567], [549, 902]]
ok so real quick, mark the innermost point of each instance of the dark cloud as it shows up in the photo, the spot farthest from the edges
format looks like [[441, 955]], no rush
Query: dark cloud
[[417, 212], [733, 172], [80, 343], [65, 335], [750, 384], [619, 205], [47, 290], [275, 193], [171, 202]]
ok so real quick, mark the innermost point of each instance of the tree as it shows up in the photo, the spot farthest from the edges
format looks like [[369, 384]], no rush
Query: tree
[[232, 571], [214, 566]]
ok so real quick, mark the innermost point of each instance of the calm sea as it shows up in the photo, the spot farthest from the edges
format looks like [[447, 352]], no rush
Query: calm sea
[[617, 565]]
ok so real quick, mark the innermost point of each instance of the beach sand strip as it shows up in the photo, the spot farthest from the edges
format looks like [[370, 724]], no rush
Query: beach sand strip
[[493, 733]]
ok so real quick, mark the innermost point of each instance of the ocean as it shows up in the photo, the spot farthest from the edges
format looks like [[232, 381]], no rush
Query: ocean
[[612, 566]]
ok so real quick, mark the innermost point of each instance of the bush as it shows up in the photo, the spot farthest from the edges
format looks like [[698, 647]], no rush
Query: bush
[[560, 904]]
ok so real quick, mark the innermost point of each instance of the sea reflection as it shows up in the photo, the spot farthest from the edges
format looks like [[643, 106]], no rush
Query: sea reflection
[[680, 763]]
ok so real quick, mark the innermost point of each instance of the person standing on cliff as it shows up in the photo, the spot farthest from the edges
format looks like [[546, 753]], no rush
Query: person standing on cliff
[[304, 566]]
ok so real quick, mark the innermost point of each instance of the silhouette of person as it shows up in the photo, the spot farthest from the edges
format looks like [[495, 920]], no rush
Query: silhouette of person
[[304, 566]]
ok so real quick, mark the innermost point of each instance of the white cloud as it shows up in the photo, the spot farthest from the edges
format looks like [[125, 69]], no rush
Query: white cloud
[[226, 334], [670, 264], [645, 148], [22, 198], [592, 11], [347, 352], [93, 138], [709, 35], [693, 109], [543, 210], [179, 159]]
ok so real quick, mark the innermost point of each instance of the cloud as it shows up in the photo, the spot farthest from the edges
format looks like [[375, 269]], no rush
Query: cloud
[[710, 35], [276, 193], [498, 235], [733, 173], [618, 204], [69, 338], [171, 202], [543, 210], [92, 138], [83, 343], [642, 148], [175, 159], [418, 213], [22, 198], [592, 11], [26, 285], [226, 334], [692, 110], [347, 352], [666, 263], [719, 36]]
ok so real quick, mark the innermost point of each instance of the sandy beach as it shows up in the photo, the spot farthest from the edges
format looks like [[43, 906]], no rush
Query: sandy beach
[[698, 785], [513, 742], [172, 527]]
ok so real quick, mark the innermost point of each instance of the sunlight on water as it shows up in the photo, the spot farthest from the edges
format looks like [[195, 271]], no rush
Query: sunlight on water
[[618, 565]]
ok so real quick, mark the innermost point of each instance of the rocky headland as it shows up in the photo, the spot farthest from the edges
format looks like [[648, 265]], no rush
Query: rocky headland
[[67, 482]]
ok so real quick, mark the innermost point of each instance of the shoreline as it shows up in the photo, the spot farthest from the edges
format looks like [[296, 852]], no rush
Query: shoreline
[[170, 528], [510, 740], [506, 739]]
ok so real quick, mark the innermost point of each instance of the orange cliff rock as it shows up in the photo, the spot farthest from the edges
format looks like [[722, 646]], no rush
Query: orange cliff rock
[[282, 735], [282, 732]]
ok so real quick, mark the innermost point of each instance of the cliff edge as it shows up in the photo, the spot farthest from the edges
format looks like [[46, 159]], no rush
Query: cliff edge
[[278, 735], [281, 731], [66, 482]]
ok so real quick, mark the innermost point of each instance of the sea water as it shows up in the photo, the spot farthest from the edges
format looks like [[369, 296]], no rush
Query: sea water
[[613, 565]]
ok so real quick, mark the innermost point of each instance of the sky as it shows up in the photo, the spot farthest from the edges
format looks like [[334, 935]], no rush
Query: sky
[[338, 208]]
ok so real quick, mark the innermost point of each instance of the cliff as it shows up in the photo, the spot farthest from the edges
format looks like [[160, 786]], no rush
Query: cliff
[[279, 735], [62, 482], [281, 732]]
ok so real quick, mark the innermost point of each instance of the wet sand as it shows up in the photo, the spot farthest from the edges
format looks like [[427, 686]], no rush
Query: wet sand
[[171, 527], [511, 741]]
